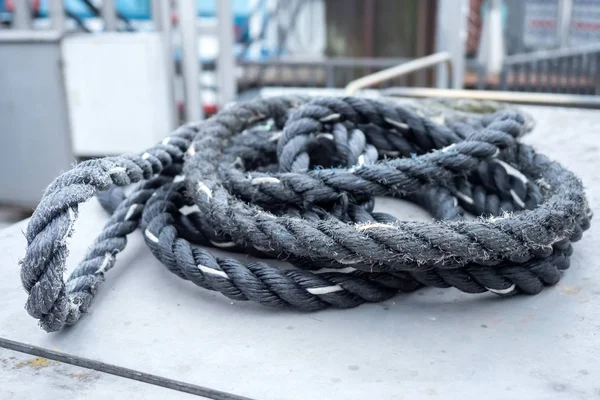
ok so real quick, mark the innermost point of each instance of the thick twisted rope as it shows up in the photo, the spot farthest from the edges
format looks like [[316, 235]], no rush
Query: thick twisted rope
[[295, 179]]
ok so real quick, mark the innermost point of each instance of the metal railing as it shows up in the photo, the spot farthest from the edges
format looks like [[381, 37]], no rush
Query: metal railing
[[325, 72], [339, 72], [401, 70], [567, 71], [544, 99], [541, 99]]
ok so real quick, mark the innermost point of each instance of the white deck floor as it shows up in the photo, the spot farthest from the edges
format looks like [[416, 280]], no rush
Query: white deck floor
[[430, 344]]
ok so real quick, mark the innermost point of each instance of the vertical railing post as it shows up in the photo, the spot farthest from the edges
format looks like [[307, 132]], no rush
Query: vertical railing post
[[109, 15], [21, 15], [161, 17], [190, 62], [227, 81], [57, 14]]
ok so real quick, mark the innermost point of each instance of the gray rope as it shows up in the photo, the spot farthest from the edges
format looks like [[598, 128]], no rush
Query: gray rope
[[295, 179]]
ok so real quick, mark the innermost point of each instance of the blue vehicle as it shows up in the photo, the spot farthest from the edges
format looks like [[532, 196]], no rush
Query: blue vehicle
[[136, 12], [130, 9]]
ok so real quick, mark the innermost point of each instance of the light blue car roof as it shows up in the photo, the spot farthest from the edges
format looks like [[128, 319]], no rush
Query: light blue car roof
[[140, 9]]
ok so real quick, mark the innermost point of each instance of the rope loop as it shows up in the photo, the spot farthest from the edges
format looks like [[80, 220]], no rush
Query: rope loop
[[296, 179]]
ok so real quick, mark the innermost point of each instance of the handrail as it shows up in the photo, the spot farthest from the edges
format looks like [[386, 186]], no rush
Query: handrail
[[400, 70], [545, 99]]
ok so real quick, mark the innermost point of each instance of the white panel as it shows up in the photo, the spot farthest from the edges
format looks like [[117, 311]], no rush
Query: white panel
[[117, 92]]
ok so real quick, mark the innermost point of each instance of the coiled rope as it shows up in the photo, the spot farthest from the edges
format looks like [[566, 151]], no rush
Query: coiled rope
[[295, 179]]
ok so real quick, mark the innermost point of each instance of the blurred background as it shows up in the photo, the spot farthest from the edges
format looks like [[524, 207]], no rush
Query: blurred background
[[89, 78]]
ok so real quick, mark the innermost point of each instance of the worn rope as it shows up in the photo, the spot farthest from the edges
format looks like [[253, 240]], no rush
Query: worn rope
[[295, 179]]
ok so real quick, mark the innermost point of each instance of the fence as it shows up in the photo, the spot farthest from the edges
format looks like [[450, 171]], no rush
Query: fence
[[573, 71]]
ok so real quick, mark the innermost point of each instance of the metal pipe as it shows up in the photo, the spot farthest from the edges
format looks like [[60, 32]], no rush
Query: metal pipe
[[57, 15], [504, 78], [527, 73], [186, 9], [329, 76], [559, 100], [109, 15], [227, 82], [589, 71], [597, 74], [451, 34], [565, 10], [161, 16], [368, 21], [549, 76], [400, 70], [156, 14], [21, 15]]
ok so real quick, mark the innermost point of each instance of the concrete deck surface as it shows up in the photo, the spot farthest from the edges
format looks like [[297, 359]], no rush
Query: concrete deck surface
[[26, 377], [429, 344]]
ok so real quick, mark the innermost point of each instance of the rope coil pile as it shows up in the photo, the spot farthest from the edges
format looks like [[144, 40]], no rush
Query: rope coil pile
[[295, 179]]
